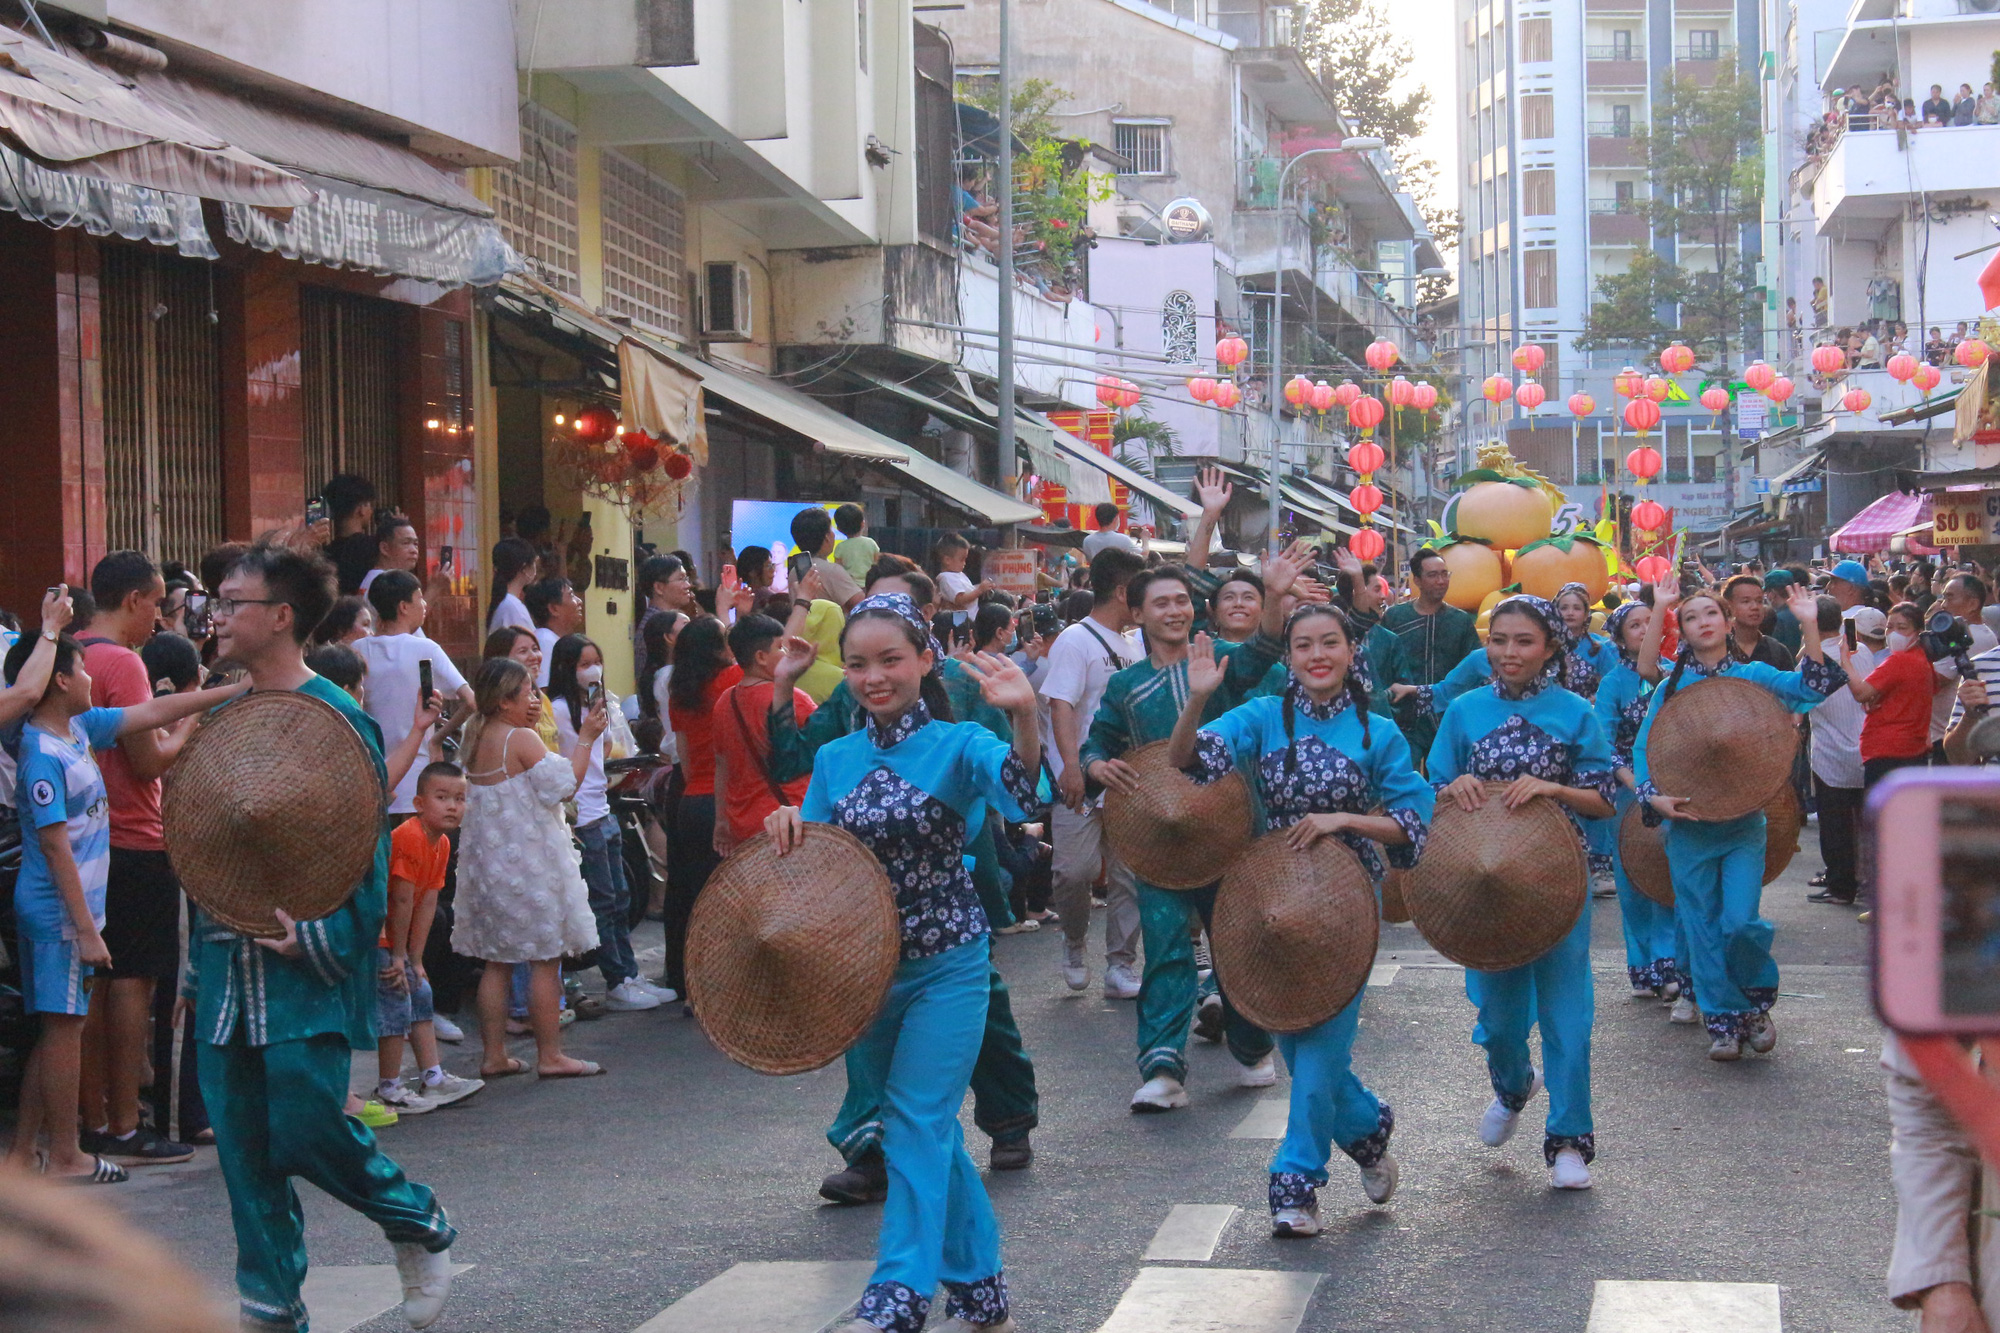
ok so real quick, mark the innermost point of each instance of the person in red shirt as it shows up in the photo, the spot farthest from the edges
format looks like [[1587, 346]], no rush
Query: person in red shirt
[[1897, 695], [743, 780], [142, 900], [703, 669]]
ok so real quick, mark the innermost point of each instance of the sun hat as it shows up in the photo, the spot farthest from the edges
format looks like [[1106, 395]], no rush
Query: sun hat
[[1294, 932], [1724, 743], [790, 957], [1395, 907], [1853, 571], [274, 803], [1174, 832], [1869, 622], [1498, 888], [1642, 851]]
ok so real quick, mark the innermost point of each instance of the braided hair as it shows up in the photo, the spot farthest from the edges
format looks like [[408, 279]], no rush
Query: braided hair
[[1356, 685]]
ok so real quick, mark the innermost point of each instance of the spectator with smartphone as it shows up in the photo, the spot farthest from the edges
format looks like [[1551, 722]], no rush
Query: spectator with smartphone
[[812, 534], [1854, 639], [1897, 695], [396, 547], [349, 501], [556, 610], [397, 656]]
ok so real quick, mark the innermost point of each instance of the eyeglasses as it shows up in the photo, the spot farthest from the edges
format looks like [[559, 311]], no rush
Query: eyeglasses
[[226, 606]]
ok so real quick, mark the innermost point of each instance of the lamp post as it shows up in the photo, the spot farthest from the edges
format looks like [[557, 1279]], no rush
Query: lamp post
[[1004, 324], [1354, 144]]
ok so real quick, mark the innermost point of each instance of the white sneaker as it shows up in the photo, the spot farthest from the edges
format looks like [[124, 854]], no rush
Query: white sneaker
[[1499, 1123], [404, 1102], [1725, 1048], [958, 1325], [1162, 1092], [1076, 975], [1263, 1074], [1379, 1181], [1761, 1035], [1300, 1222], [1683, 1011], [1120, 982], [1642, 991], [451, 1088], [445, 1029], [664, 994], [1568, 1171], [629, 997], [426, 1282]]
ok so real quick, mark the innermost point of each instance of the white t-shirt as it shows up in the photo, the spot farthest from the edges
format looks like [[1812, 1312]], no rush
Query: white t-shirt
[[955, 583], [591, 802], [1944, 705], [510, 610], [1080, 665], [547, 638], [392, 694], [1104, 537], [1836, 724]]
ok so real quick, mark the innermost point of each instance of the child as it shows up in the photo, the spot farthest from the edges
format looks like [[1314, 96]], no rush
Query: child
[[59, 895], [856, 552], [957, 593], [743, 780], [418, 851]]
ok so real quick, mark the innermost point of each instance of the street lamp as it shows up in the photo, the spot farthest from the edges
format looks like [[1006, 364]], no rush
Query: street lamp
[[1352, 144]]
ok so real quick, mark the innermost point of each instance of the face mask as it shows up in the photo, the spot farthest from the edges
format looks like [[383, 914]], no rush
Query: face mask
[[1898, 641], [589, 675]]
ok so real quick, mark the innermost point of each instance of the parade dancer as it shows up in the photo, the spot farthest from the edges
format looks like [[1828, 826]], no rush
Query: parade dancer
[[912, 786], [1587, 657], [1544, 741], [1718, 866], [1322, 767], [1005, 1105], [1435, 637], [1141, 704], [277, 1021], [1622, 696]]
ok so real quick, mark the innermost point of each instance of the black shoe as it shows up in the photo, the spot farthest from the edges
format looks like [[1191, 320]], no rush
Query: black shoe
[[146, 1147], [1829, 896], [1208, 1019], [1013, 1155], [865, 1181]]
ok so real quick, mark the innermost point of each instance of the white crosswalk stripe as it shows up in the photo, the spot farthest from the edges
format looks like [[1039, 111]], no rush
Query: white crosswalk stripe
[[1383, 974], [770, 1297], [1265, 1121], [342, 1296], [1190, 1232], [1212, 1300], [1684, 1307]]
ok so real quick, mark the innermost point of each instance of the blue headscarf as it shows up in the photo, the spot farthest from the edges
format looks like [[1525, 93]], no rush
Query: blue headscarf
[[1614, 626], [901, 604], [1543, 612]]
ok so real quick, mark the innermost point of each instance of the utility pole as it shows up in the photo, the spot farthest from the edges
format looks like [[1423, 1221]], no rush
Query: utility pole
[[1004, 191]]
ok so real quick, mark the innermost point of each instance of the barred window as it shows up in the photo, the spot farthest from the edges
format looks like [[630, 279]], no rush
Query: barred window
[[536, 198], [1179, 328], [1145, 144], [644, 252]]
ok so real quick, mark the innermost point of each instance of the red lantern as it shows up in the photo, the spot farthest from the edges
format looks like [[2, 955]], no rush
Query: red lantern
[[1382, 354], [1297, 389], [1401, 392], [1364, 456], [1201, 389], [1926, 377], [1855, 400], [1677, 360], [1227, 395], [1347, 394], [1759, 376], [1423, 396], [1780, 389], [1827, 358], [1529, 357], [1715, 398], [635, 440], [1643, 462], [1642, 414], [1365, 498], [1649, 515], [1901, 367], [1366, 413], [1530, 396], [1128, 394], [1230, 352], [679, 466], [1497, 388], [644, 458], [1653, 568], [1322, 396], [1972, 353], [1367, 544], [1582, 404], [1657, 388], [1628, 383], [596, 425], [1107, 390]]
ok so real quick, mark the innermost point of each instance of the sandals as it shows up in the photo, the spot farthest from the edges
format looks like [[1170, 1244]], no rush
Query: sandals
[[103, 1173], [511, 1068], [585, 1069]]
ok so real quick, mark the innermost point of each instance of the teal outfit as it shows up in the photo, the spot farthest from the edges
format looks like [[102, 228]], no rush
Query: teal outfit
[[1552, 734], [275, 1036], [1622, 697], [1381, 666], [1309, 758], [1718, 866], [1430, 647], [1141, 704]]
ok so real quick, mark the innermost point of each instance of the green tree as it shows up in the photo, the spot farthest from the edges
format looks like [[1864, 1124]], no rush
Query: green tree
[[1141, 441], [1626, 312]]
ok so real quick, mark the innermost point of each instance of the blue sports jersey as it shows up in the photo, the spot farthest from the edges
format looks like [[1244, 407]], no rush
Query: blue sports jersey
[[58, 782]]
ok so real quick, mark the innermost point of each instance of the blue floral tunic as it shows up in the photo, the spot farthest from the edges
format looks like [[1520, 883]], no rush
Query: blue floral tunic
[[1547, 733]]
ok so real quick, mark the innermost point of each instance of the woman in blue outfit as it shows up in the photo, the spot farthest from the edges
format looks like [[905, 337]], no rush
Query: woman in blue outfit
[[1622, 696], [913, 786], [1587, 658], [1718, 866], [1320, 766], [1543, 741]]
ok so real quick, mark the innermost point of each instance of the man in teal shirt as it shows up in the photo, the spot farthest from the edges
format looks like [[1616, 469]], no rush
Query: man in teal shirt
[[1434, 637], [277, 1021]]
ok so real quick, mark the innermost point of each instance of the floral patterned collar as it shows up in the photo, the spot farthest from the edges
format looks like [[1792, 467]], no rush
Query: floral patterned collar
[[1542, 680], [1694, 665], [904, 727], [1326, 712]]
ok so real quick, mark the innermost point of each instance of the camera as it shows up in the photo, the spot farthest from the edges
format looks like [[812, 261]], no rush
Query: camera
[[1047, 623], [1944, 637]]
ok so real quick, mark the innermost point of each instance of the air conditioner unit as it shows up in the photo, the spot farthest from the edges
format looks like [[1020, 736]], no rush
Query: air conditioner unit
[[1981, 6], [725, 314]]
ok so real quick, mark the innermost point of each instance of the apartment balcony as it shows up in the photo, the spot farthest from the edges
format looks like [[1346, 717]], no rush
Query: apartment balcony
[[1700, 64], [1614, 67], [1868, 175], [1619, 222], [1610, 144]]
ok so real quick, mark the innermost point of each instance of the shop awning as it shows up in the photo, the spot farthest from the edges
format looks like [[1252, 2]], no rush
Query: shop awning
[[1041, 451], [1080, 451], [1924, 411], [980, 501], [1887, 518]]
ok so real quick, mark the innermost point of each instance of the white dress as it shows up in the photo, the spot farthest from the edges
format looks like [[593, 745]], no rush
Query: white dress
[[521, 895]]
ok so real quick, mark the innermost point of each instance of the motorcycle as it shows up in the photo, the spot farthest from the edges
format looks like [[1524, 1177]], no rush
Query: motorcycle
[[628, 780]]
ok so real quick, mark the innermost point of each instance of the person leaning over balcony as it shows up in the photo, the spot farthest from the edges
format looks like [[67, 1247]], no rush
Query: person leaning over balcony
[[1937, 107], [1986, 111], [1965, 107]]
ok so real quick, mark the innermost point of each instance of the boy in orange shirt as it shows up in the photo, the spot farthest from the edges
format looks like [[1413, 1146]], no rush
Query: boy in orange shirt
[[745, 791], [419, 850]]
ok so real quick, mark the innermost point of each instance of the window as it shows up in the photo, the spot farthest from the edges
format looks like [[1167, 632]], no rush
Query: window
[[1538, 279], [1622, 196], [1144, 143], [535, 199], [1704, 44], [1538, 193], [1538, 116], [1537, 40], [643, 261], [349, 382], [1704, 467], [1621, 122], [1621, 44], [1179, 328]]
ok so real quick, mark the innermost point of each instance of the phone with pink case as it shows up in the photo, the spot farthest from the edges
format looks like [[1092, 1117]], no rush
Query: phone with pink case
[[1935, 863]]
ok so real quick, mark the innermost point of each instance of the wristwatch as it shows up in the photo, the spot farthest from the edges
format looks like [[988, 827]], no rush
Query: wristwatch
[[51, 635]]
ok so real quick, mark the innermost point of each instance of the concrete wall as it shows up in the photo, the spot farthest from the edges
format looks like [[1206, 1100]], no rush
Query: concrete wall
[[1129, 283]]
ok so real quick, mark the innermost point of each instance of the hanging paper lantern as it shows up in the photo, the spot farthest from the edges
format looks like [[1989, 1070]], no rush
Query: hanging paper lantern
[[1759, 376], [1382, 354], [1423, 396], [1227, 395], [1926, 377], [1972, 353], [1643, 462], [1367, 545], [596, 425], [1901, 367], [1677, 360], [1628, 383], [1642, 414], [1230, 352], [1779, 389], [1657, 389], [1201, 389], [1401, 392], [1366, 414], [1365, 498], [1530, 396], [1827, 358], [1653, 568], [678, 465], [1582, 404], [1497, 388], [1364, 456], [644, 458], [1715, 398], [1107, 390], [634, 440], [1129, 394], [1855, 400], [1529, 357], [1649, 515], [1347, 394], [1322, 396], [1297, 389]]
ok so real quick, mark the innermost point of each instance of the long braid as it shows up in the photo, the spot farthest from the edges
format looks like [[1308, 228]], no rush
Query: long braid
[[1289, 711]]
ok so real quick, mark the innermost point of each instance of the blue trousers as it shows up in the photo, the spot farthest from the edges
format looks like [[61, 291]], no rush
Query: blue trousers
[[937, 1224], [1167, 990], [1718, 889], [1649, 927], [610, 899], [1554, 991], [1601, 837], [1331, 1108]]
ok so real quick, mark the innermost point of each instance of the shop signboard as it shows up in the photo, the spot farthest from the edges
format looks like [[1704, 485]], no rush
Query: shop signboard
[[1966, 518], [1011, 570]]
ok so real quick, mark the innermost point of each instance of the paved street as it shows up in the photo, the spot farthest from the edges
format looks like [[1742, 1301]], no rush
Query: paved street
[[600, 1206]]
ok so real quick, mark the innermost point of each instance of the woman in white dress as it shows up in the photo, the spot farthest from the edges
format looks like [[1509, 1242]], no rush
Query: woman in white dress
[[521, 896]]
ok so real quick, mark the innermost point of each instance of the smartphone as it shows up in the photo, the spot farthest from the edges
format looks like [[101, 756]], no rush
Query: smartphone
[[1935, 836], [424, 678], [592, 697], [1847, 628], [797, 564], [315, 512]]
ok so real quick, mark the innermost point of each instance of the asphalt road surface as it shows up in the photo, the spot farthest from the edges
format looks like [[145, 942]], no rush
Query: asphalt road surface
[[678, 1192]]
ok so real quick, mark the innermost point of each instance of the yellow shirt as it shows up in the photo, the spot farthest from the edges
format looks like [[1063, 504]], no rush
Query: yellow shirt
[[824, 622], [856, 555]]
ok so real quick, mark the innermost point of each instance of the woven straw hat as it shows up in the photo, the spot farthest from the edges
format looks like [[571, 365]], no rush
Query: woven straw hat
[[1294, 932], [1643, 851], [790, 957], [275, 802], [1498, 888], [1175, 833], [1395, 906], [1724, 743]]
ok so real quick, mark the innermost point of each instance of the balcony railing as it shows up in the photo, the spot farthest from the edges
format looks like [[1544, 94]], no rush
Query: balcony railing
[[1614, 52], [1704, 53], [1608, 129], [1633, 206]]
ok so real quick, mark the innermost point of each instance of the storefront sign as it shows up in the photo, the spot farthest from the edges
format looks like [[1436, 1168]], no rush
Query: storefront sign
[[1966, 518], [1012, 571], [352, 226]]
